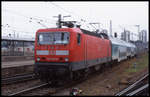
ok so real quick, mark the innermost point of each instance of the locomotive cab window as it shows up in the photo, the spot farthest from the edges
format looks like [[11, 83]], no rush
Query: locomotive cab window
[[53, 38], [78, 39]]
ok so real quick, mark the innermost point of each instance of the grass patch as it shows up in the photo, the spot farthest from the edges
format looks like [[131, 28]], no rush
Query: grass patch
[[141, 63]]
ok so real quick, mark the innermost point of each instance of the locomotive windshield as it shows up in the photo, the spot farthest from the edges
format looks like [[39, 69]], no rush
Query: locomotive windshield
[[53, 38]]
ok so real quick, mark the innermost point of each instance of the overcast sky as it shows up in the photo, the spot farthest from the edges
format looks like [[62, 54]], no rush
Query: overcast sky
[[123, 15]]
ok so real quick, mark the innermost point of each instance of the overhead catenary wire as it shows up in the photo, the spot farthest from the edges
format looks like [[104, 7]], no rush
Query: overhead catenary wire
[[37, 18], [19, 31], [81, 20], [13, 28], [41, 20], [15, 32], [33, 17]]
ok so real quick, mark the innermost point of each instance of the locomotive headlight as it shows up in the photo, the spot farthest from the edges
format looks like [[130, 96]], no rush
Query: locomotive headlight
[[66, 59], [38, 59]]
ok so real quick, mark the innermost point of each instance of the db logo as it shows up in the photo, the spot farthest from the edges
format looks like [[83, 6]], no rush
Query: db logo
[[52, 52]]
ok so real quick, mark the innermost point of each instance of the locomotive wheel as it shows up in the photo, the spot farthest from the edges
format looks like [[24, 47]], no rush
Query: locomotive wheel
[[108, 65], [97, 67], [76, 75], [86, 73], [81, 74]]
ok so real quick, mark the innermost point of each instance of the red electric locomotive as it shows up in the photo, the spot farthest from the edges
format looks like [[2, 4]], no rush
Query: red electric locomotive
[[62, 53]]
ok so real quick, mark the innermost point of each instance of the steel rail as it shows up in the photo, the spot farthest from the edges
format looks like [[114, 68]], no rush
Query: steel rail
[[138, 90], [131, 86], [29, 89], [17, 78]]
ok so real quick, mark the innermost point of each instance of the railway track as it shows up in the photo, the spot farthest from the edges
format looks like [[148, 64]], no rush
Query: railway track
[[140, 87], [37, 90], [53, 91], [29, 89], [45, 89], [50, 89], [18, 78]]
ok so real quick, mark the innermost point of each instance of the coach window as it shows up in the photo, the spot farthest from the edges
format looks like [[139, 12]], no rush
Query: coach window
[[78, 39]]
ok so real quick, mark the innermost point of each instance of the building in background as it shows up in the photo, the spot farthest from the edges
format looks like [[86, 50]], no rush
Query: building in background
[[17, 46], [125, 35], [143, 36]]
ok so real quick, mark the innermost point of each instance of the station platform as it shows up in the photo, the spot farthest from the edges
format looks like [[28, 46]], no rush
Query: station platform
[[17, 63], [16, 58]]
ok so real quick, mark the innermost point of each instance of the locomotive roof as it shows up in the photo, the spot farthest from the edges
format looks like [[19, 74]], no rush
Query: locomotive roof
[[78, 30], [90, 33], [59, 29], [121, 42]]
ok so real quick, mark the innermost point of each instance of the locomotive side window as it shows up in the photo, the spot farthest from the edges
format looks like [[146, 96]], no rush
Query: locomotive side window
[[78, 39]]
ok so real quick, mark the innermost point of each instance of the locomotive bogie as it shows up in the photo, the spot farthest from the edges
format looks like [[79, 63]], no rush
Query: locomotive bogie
[[52, 71]]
